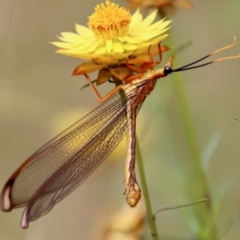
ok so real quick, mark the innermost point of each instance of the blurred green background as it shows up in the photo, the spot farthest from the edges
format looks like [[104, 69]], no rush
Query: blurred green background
[[39, 99]]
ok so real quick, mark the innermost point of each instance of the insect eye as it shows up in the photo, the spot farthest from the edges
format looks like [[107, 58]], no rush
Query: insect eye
[[167, 70]]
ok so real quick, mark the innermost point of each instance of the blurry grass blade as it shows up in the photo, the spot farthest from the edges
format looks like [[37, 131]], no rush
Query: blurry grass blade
[[182, 47], [210, 149], [226, 228]]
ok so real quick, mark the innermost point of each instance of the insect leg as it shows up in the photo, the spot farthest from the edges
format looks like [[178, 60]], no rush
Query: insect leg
[[97, 94]]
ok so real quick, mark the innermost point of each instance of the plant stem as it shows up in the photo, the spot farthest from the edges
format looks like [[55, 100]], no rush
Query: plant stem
[[204, 213], [150, 216]]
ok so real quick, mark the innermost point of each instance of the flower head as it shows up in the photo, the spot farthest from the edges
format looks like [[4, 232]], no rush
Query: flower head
[[113, 35]]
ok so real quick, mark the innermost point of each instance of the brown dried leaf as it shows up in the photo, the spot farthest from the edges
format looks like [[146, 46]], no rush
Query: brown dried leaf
[[86, 67]]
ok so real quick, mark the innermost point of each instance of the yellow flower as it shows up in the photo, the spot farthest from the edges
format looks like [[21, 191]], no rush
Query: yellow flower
[[113, 35]]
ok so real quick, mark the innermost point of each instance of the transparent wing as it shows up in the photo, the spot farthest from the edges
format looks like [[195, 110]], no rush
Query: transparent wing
[[62, 164]]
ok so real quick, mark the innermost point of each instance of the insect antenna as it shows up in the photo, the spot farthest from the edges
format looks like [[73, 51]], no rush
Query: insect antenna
[[190, 65]]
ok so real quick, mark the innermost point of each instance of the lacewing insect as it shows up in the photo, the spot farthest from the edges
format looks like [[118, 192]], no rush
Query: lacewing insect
[[63, 163]]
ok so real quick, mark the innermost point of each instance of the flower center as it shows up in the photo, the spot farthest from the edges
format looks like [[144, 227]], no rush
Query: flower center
[[110, 21]]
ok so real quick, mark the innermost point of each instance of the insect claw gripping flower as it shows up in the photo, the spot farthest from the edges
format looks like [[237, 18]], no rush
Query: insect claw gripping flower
[[113, 36]]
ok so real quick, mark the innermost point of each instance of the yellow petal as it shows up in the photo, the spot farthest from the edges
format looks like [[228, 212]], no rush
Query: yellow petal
[[75, 55], [136, 19], [70, 37], [122, 55], [129, 47], [128, 39], [87, 47], [146, 37], [155, 25], [117, 47], [144, 46], [120, 38], [70, 42], [82, 30], [109, 45], [64, 44], [142, 56], [149, 19], [139, 28], [100, 50], [164, 25]]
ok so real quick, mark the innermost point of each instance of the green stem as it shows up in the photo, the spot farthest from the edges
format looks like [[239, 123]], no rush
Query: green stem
[[150, 216], [205, 212]]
